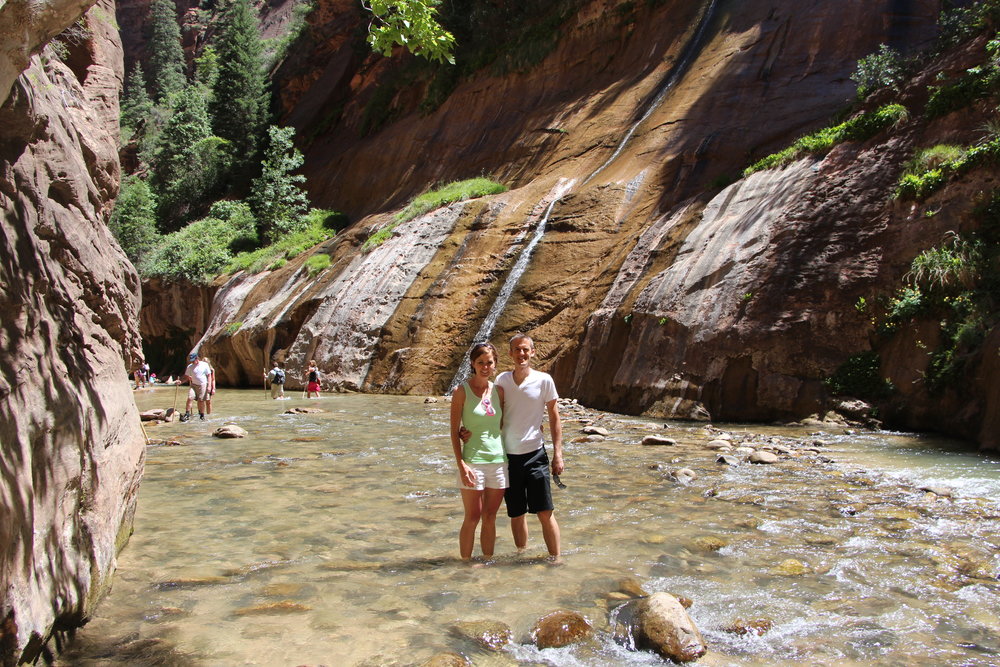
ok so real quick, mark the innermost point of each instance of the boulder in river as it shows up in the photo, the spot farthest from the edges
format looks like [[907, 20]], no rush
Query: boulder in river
[[230, 431], [763, 457], [654, 440], [560, 628], [595, 430], [153, 415], [663, 625]]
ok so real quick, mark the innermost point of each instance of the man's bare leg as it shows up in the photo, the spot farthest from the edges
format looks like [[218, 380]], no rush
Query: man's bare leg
[[519, 528], [550, 532]]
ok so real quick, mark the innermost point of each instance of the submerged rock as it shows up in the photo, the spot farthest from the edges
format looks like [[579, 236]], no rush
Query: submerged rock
[[492, 635], [446, 660], [791, 567], [283, 607], [560, 628], [757, 626]]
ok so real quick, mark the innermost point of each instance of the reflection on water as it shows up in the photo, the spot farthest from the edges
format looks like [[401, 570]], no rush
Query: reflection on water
[[331, 538]]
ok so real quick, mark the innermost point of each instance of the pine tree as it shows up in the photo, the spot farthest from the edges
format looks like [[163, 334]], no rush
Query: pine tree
[[136, 105], [239, 106], [166, 57], [277, 198], [180, 149], [133, 222]]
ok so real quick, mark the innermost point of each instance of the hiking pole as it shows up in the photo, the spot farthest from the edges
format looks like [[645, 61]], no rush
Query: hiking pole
[[171, 411]]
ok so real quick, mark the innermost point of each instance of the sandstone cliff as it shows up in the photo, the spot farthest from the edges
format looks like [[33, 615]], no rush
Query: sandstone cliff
[[653, 289], [73, 448]]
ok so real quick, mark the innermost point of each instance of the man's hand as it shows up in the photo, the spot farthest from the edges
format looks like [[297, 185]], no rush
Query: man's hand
[[557, 464]]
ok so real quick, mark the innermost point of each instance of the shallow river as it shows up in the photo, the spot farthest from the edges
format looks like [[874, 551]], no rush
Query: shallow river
[[331, 538]]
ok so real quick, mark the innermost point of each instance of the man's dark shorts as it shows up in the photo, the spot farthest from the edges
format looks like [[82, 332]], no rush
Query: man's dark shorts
[[529, 490]]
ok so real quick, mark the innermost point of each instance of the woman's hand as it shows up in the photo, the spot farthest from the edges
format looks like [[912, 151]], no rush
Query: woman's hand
[[468, 475]]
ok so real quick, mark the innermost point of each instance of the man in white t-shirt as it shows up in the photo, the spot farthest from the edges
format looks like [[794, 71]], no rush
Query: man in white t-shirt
[[197, 375], [528, 396]]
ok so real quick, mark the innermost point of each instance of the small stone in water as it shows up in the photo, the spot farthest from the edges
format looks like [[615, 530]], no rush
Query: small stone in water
[[653, 440], [492, 635], [790, 567], [757, 626]]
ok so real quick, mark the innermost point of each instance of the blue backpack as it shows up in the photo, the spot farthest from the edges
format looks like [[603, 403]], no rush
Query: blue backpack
[[279, 376]]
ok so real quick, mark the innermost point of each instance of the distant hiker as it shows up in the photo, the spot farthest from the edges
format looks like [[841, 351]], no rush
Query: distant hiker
[[210, 392], [313, 380], [276, 376], [196, 374]]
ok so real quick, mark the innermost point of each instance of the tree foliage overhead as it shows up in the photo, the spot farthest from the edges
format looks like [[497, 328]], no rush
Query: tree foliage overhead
[[166, 56], [409, 23]]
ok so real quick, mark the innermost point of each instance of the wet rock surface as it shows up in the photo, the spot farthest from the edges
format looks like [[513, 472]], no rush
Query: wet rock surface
[[73, 446]]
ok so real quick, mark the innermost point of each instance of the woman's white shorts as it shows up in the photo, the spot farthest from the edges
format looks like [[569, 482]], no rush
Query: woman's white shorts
[[488, 476]]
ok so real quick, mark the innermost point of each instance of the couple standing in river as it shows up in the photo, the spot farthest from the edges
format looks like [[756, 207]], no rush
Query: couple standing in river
[[496, 434]]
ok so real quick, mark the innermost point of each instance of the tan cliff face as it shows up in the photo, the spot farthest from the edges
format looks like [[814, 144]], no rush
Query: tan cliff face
[[73, 447], [653, 288]]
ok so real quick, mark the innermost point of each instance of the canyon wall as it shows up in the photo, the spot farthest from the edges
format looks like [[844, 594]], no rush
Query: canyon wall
[[73, 447], [656, 288]]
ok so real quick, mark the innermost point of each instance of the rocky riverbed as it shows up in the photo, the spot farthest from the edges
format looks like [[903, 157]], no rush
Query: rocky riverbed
[[330, 535]]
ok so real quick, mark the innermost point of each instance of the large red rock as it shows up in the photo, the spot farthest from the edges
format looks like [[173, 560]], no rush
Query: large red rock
[[73, 447]]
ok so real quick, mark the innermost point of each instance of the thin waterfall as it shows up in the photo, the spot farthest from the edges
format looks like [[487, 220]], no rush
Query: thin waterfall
[[691, 49], [486, 328]]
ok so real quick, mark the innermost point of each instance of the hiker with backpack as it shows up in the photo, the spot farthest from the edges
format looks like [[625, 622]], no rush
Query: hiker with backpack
[[276, 376]]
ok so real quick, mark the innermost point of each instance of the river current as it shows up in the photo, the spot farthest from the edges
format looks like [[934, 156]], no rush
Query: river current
[[330, 538]]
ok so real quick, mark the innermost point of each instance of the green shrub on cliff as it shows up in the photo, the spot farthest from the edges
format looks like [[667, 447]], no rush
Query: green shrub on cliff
[[860, 377], [320, 225], [883, 69], [957, 285], [201, 251], [452, 192], [921, 184], [860, 128], [428, 201]]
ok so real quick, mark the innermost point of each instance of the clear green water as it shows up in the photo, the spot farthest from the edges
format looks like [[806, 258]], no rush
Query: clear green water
[[331, 538]]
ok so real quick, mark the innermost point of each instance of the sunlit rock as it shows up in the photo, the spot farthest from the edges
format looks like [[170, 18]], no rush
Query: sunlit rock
[[230, 431], [763, 457], [657, 440], [663, 625], [790, 567], [709, 543]]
